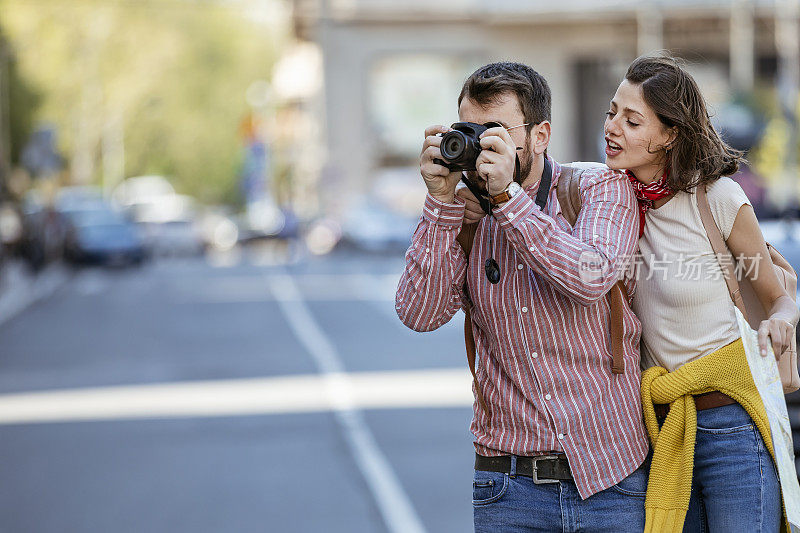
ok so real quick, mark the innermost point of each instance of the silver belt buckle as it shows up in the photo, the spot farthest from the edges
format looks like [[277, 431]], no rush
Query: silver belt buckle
[[536, 470]]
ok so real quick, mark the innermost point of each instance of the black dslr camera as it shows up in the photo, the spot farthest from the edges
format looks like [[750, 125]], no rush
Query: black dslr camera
[[460, 149], [461, 146]]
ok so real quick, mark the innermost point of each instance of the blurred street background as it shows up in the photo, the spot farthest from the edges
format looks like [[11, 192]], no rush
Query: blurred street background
[[204, 206]]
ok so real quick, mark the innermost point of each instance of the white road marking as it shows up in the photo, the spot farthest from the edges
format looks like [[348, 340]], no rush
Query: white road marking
[[395, 507], [448, 387]]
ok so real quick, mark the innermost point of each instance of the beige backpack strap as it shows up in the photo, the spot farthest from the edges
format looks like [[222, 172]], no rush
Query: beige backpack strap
[[569, 198], [466, 238], [724, 256]]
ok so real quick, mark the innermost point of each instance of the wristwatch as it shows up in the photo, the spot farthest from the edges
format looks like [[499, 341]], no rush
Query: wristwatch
[[511, 191]]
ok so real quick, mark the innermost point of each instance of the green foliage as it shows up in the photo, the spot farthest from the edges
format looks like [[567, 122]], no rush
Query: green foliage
[[172, 73], [23, 100]]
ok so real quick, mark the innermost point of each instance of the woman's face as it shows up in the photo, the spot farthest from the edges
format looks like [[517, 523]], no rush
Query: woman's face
[[635, 137]]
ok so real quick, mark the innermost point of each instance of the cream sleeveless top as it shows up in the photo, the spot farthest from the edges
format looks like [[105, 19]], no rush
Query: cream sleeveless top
[[681, 297]]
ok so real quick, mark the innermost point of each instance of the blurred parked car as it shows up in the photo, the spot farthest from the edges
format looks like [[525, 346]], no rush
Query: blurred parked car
[[175, 238], [100, 235], [168, 221], [263, 219], [77, 197], [372, 227], [148, 199]]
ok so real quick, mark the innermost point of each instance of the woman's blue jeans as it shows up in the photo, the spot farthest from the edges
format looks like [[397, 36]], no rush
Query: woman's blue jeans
[[735, 484]]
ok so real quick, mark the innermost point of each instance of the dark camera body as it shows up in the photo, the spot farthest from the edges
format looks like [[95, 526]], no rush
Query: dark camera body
[[461, 146]]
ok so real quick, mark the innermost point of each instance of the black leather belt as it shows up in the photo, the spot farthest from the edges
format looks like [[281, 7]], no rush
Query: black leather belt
[[542, 468]]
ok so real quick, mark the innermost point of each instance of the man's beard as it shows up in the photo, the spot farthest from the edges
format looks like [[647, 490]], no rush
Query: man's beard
[[525, 164]]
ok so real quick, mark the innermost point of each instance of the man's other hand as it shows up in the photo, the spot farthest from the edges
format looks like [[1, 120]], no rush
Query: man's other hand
[[473, 211], [441, 183], [497, 160]]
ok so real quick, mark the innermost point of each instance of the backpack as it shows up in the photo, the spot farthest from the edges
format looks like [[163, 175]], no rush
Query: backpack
[[744, 295], [569, 198]]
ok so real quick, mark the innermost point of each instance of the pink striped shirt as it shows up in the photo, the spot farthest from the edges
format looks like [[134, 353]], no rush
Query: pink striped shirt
[[542, 333]]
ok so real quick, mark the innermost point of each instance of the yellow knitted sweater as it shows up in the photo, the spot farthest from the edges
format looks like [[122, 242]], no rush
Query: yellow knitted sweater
[[670, 483]]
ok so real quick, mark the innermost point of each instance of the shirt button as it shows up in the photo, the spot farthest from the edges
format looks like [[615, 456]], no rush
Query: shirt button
[[519, 267], [560, 436], [531, 249], [535, 355], [436, 211], [547, 396], [511, 216], [524, 309]]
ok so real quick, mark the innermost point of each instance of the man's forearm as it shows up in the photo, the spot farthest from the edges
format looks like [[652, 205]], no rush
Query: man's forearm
[[430, 289]]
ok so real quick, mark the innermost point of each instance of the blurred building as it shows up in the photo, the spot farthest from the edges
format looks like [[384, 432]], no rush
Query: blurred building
[[392, 68]]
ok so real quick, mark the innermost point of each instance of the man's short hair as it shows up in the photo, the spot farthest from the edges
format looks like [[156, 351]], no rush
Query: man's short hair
[[489, 83]]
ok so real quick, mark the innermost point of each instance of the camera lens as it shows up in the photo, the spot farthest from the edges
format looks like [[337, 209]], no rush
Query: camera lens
[[453, 145]]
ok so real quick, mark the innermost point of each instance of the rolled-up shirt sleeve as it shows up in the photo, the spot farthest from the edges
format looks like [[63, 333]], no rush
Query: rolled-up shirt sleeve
[[583, 264], [430, 291]]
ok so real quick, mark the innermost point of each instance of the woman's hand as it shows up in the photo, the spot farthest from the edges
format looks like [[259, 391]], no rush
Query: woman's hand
[[748, 247], [777, 330]]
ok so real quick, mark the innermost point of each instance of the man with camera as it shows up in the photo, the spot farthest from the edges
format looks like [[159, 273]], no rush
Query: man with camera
[[559, 439]]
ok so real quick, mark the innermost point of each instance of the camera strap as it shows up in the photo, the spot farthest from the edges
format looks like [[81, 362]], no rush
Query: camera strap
[[475, 190], [544, 183]]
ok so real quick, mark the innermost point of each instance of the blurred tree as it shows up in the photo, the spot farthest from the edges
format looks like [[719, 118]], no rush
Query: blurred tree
[[17, 107], [147, 87], [22, 103]]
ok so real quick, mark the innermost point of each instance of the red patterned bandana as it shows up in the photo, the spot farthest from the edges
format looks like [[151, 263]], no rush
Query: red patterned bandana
[[647, 194]]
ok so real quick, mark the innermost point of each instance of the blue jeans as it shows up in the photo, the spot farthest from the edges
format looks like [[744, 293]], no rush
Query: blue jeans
[[735, 484], [504, 504]]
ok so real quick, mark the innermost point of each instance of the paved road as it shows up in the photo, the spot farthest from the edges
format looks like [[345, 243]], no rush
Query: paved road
[[197, 396]]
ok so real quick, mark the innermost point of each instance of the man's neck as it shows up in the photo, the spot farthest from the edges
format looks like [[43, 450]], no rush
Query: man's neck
[[533, 177]]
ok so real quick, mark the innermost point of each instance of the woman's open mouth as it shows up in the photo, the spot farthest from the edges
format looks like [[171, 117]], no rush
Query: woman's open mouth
[[612, 148]]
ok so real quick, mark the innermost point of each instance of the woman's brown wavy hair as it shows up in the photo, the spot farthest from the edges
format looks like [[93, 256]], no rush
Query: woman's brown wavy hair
[[698, 154]]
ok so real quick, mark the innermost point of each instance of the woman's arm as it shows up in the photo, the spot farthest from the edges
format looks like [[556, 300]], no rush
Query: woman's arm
[[747, 245]]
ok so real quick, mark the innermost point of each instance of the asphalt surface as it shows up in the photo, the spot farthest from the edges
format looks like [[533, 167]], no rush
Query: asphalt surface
[[239, 393], [214, 396]]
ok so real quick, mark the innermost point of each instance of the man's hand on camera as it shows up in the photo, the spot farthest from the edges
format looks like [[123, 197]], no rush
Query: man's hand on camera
[[472, 211], [497, 160], [441, 183]]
